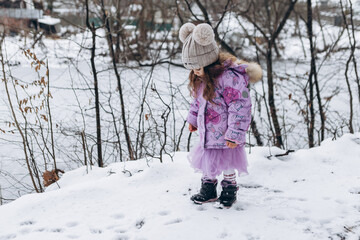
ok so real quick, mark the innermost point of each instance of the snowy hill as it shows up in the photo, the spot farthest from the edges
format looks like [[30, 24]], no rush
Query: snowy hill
[[310, 194]]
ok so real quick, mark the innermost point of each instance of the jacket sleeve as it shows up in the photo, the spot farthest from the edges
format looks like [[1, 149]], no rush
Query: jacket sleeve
[[193, 113], [237, 98]]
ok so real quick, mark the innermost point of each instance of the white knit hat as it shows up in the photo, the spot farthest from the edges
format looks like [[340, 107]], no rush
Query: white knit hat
[[199, 49]]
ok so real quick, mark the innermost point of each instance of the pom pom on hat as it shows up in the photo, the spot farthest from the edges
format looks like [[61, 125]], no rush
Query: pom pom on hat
[[199, 46], [185, 31], [203, 34]]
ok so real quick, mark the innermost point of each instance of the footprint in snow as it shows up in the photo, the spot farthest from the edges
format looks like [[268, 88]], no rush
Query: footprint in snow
[[25, 230], [299, 180], [279, 218], [357, 207], [118, 216], [6, 237], [251, 237], [201, 208], [58, 230], [164, 213], [339, 201], [96, 231], [240, 205], [298, 199], [356, 140], [112, 226], [140, 223], [250, 185], [177, 220], [223, 235], [301, 219], [72, 224], [239, 208], [72, 236], [123, 237], [120, 230], [355, 190], [269, 198], [325, 221], [26, 223], [274, 190]]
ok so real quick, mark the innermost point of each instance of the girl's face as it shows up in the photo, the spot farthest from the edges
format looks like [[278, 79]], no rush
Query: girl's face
[[199, 72]]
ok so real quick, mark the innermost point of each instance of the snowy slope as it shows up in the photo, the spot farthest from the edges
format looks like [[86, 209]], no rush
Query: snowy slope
[[310, 194]]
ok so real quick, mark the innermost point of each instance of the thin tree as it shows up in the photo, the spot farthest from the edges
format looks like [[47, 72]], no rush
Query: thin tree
[[270, 33], [352, 45], [313, 81], [310, 104], [105, 19], [92, 28], [17, 124]]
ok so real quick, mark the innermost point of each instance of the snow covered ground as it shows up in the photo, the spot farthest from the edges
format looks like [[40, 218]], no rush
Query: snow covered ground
[[73, 99], [309, 194]]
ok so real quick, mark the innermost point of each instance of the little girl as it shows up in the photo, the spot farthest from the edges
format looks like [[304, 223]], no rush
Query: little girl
[[221, 110]]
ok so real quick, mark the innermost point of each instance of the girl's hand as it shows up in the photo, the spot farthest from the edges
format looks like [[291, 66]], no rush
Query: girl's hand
[[192, 128], [231, 144]]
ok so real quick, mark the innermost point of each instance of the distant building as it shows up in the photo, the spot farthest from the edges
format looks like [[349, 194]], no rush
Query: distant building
[[16, 15], [49, 25], [324, 3]]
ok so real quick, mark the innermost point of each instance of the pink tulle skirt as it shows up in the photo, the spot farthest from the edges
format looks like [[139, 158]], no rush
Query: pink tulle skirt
[[211, 162]]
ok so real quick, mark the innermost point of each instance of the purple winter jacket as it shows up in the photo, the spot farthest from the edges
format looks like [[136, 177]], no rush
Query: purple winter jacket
[[229, 118]]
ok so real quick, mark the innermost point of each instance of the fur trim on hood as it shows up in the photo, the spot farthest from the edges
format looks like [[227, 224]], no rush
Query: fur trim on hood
[[253, 70]]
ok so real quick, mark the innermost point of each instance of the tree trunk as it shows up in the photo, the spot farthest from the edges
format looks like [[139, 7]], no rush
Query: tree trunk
[[96, 89], [351, 129], [310, 103], [119, 85], [256, 133], [278, 137], [17, 124]]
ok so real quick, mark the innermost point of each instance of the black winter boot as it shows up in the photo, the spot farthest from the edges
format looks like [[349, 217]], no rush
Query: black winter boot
[[228, 194], [207, 192]]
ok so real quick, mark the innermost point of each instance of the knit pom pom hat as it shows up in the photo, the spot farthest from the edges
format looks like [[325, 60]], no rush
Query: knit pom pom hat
[[199, 49]]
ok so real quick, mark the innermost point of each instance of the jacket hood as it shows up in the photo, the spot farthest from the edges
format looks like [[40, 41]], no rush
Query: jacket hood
[[253, 69]]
